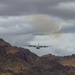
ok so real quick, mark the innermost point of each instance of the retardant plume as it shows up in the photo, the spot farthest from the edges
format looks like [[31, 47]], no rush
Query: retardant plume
[[44, 24], [55, 36]]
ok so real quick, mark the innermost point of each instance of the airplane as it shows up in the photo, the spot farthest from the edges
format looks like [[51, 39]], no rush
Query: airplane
[[38, 46]]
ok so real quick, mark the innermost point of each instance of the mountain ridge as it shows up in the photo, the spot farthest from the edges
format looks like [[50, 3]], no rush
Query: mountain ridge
[[20, 61]]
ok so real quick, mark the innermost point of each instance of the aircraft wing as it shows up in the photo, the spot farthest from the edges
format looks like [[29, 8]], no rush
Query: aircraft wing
[[31, 45], [44, 46]]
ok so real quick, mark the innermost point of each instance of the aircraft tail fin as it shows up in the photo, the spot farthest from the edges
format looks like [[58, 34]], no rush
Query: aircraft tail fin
[[38, 44]]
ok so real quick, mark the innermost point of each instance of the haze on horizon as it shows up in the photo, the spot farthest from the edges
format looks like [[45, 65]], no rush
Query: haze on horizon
[[49, 22]]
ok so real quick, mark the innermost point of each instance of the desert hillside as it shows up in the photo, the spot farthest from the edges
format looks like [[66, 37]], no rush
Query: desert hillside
[[19, 61]]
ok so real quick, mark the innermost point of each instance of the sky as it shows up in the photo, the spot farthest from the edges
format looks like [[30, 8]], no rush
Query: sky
[[47, 22]]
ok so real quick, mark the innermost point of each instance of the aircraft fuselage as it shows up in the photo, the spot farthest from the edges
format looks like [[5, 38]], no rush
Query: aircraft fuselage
[[37, 47]]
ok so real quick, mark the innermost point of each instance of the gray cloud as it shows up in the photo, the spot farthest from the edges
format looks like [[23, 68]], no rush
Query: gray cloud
[[64, 10], [15, 25], [22, 7], [17, 40], [31, 24], [67, 30]]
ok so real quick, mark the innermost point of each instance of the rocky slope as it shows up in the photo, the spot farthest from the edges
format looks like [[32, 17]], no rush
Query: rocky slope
[[19, 61]]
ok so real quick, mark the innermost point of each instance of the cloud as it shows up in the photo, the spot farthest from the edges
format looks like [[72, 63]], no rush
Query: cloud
[[17, 40], [55, 35], [17, 7], [25, 28], [57, 8], [67, 30], [45, 24], [67, 6], [62, 46], [64, 9], [68, 26], [15, 25], [16, 30], [25, 7], [27, 24]]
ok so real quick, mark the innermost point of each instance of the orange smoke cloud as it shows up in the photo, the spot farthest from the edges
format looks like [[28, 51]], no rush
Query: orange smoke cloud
[[44, 24], [55, 36]]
